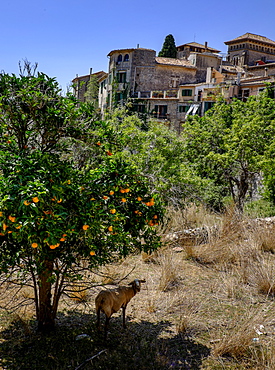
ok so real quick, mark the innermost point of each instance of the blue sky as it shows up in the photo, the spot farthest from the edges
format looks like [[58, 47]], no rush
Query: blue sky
[[69, 37]]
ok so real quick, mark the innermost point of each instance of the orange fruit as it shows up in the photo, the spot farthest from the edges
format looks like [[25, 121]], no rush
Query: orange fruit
[[122, 191], [5, 227], [59, 201], [85, 227], [155, 217], [109, 153], [35, 199], [110, 228], [123, 200], [26, 203], [12, 219], [105, 197], [126, 190], [92, 253], [113, 211], [62, 239], [34, 245], [139, 198], [112, 192], [1, 214]]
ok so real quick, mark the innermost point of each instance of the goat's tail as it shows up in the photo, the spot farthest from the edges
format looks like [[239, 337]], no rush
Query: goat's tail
[[99, 302]]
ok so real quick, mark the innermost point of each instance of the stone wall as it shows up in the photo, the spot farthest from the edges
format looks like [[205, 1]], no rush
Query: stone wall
[[162, 77]]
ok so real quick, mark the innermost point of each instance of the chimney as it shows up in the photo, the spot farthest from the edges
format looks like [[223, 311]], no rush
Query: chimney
[[209, 73], [91, 71], [137, 46], [205, 45]]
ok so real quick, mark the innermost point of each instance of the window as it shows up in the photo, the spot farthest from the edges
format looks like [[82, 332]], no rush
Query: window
[[126, 58], [186, 92], [121, 77], [160, 111], [119, 58], [183, 108], [119, 96], [245, 94], [140, 108], [208, 105]]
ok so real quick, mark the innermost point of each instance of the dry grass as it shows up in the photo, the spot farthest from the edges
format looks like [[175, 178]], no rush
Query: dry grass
[[79, 295], [201, 308], [238, 337], [262, 275], [169, 270]]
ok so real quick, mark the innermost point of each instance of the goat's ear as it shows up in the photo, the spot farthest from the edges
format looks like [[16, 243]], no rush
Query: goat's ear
[[142, 281]]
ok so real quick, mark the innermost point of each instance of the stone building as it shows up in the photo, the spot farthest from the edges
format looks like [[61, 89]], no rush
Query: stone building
[[170, 89], [80, 83], [153, 83], [201, 56], [250, 49]]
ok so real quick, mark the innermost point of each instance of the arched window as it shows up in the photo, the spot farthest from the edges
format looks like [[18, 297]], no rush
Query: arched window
[[119, 58], [126, 57]]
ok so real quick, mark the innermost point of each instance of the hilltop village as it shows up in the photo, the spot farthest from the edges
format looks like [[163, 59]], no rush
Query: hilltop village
[[170, 89]]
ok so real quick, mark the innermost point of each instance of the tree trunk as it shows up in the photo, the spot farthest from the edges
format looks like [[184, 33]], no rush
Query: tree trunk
[[46, 317]]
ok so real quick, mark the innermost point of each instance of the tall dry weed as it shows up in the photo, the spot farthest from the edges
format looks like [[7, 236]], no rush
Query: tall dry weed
[[169, 270], [236, 341], [264, 237], [191, 217], [262, 276]]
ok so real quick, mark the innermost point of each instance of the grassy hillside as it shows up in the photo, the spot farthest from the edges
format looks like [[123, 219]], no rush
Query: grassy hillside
[[208, 303]]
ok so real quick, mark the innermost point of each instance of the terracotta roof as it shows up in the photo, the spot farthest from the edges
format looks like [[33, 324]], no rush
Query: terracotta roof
[[253, 81], [261, 66], [174, 62], [251, 36], [197, 45], [232, 69], [127, 50], [99, 75]]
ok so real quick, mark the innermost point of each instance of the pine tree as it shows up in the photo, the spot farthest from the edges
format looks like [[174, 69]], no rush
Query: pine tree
[[169, 49]]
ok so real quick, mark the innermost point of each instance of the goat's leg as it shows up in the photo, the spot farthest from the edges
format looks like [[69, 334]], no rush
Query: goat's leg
[[123, 316], [106, 326], [98, 320]]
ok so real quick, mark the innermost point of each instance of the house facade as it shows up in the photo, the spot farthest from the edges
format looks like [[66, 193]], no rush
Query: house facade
[[170, 89]]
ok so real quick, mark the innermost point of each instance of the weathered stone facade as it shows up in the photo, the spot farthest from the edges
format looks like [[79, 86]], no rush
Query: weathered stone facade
[[170, 89], [80, 83], [249, 49]]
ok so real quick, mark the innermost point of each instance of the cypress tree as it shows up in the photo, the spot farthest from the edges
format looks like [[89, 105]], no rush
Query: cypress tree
[[169, 49]]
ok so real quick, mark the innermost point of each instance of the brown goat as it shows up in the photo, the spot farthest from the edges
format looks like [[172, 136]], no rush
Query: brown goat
[[110, 301]]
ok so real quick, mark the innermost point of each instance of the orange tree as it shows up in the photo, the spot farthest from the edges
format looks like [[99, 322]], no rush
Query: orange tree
[[53, 211]]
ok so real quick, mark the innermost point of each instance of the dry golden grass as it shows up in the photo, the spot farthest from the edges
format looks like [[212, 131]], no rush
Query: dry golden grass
[[238, 338], [79, 295], [201, 306], [169, 270]]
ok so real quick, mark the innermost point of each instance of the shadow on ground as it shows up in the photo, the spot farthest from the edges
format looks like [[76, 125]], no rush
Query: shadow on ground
[[138, 347]]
